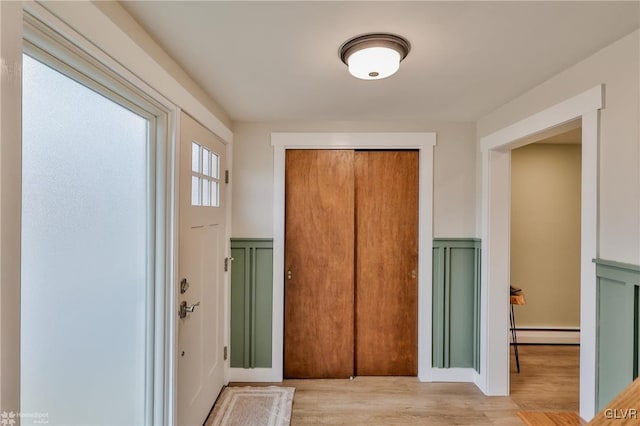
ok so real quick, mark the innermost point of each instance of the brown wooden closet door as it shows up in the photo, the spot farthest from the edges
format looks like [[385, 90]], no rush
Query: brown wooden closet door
[[319, 259], [386, 263]]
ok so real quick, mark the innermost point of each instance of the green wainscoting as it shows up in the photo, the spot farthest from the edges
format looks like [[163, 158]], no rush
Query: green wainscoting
[[251, 302], [456, 303], [618, 327]]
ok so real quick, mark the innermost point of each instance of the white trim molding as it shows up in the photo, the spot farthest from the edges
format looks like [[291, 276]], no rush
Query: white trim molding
[[540, 336], [495, 223], [96, 27], [269, 375], [453, 375], [424, 143], [11, 201]]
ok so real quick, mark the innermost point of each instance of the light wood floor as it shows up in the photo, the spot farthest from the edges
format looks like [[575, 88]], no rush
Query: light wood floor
[[549, 378], [548, 382]]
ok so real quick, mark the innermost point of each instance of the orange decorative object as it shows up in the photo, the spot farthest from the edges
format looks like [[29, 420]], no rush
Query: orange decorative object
[[517, 299]]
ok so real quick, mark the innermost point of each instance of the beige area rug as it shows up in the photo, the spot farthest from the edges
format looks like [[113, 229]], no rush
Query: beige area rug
[[252, 406]]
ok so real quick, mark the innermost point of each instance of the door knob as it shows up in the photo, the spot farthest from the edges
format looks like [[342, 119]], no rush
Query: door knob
[[413, 274], [184, 309], [289, 274]]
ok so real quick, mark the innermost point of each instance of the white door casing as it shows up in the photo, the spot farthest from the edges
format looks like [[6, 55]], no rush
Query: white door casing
[[424, 142], [200, 362], [495, 223]]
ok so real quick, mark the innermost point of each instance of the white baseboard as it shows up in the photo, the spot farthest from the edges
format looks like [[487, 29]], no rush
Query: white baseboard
[[254, 375], [467, 375], [548, 337]]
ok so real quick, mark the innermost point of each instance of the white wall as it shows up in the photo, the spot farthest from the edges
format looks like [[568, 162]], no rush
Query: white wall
[[139, 58], [618, 67], [454, 172], [127, 24]]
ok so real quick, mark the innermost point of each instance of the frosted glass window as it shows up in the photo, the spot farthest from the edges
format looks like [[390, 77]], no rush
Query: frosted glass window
[[84, 254], [205, 170]]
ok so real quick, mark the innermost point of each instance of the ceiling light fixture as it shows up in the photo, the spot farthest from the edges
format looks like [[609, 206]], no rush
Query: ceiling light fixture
[[374, 56]]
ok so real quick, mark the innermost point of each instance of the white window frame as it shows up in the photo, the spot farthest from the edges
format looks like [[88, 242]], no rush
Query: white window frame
[[93, 29], [46, 45]]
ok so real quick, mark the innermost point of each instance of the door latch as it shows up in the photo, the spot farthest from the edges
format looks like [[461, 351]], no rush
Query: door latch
[[184, 286], [184, 309], [226, 263]]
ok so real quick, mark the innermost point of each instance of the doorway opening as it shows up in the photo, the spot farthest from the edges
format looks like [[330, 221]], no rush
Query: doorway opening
[[495, 228], [545, 271]]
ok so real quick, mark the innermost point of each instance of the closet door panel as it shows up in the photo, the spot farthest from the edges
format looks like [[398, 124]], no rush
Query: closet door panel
[[386, 262], [319, 264]]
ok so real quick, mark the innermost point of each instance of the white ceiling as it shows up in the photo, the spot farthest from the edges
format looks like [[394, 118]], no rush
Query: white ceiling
[[264, 61]]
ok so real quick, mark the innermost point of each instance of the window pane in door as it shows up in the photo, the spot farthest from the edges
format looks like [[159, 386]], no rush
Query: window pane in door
[[84, 254], [206, 162], [195, 191], [216, 194], [195, 157], [206, 192], [215, 165]]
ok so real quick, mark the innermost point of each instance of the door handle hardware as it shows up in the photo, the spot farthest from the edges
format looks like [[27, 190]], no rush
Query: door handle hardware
[[184, 286], [226, 263], [184, 309], [289, 274], [413, 274]]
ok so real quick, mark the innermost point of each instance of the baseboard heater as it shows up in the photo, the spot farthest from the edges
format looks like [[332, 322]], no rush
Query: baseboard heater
[[548, 336]]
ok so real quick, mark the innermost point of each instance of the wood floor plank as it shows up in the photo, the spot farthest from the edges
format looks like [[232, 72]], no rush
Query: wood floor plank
[[392, 400], [549, 378], [536, 418], [548, 382]]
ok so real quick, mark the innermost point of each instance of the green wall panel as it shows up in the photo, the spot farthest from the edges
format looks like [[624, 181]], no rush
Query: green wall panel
[[618, 328], [251, 302], [636, 371], [239, 357], [263, 307], [438, 347], [461, 307], [456, 281]]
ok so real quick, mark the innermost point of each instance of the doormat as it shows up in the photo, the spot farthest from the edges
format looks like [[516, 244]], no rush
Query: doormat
[[246, 405]]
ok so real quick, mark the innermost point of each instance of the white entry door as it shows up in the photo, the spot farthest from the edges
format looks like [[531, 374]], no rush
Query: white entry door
[[201, 271]]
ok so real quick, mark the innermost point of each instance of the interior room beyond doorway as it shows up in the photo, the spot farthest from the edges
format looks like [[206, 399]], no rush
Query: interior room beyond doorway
[[545, 259]]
